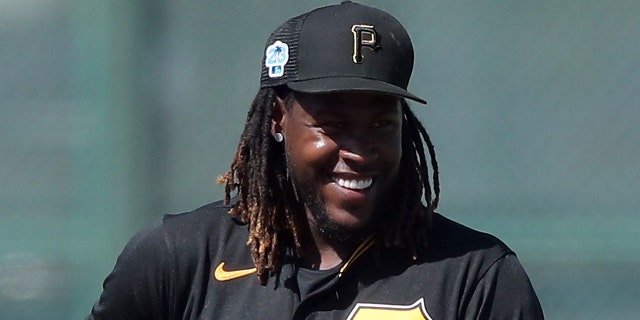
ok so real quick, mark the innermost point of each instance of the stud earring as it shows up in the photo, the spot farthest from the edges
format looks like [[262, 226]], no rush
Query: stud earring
[[278, 136]]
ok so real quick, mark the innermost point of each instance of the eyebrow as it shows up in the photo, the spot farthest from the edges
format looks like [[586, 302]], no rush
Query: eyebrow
[[340, 112]]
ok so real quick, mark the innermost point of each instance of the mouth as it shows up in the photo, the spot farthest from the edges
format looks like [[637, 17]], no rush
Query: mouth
[[354, 184]]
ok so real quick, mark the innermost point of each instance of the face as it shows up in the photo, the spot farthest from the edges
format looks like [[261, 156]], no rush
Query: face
[[343, 154]]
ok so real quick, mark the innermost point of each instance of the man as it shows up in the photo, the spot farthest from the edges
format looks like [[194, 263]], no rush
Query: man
[[332, 213]]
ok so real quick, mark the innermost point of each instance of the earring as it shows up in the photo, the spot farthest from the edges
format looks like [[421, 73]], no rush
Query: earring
[[278, 136]]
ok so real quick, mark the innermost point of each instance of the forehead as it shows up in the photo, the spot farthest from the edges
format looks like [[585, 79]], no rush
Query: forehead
[[347, 103]]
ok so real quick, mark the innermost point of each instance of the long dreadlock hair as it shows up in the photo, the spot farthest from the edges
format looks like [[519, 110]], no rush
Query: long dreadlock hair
[[267, 202]]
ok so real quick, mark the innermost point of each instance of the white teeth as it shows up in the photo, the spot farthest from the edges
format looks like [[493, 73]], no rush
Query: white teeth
[[354, 184]]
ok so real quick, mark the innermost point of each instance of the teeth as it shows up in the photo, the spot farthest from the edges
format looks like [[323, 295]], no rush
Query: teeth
[[354, 184]]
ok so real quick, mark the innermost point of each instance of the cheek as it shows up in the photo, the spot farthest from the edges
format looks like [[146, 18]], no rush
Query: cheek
[[320, 150], [320, 143], [391, 149], [310, 150]]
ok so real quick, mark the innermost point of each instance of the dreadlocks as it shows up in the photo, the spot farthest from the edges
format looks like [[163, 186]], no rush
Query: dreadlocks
[[408, 227], [266, 200]]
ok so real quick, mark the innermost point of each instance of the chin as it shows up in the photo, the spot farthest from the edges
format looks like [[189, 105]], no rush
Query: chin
[[341, 224], [350, 219]]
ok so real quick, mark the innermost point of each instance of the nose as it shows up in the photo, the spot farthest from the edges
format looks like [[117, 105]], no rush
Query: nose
[[359, 148]]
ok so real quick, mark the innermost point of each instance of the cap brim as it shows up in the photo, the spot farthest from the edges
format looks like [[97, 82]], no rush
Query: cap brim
[[323, 85]]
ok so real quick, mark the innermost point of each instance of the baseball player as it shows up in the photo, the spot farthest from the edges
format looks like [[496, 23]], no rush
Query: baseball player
[[329, 202]]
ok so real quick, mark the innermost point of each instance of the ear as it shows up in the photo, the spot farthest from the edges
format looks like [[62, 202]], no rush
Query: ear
[[278, 116]]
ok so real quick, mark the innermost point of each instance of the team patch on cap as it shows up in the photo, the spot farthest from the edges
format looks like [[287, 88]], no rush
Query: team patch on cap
[[363, 36], [276, 57]]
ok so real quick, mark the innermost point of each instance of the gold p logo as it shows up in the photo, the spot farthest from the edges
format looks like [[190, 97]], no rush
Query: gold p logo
[[363, 36], [374, 311]]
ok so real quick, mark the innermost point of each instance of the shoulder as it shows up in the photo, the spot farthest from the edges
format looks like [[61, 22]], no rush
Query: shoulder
[[164, 260], [212, 213], [455, 249], [496, 283], [213, 217], [170, 234], [451, 239], [185, 233], [492, 281]]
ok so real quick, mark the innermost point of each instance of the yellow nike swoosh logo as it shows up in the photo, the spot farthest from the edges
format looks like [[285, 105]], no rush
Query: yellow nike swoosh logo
[[223, 275]]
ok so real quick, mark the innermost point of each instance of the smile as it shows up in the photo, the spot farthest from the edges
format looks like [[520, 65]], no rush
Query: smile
[[354, 184]]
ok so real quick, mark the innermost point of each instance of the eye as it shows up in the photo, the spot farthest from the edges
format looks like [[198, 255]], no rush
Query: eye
[[384, 124], [333, 124]]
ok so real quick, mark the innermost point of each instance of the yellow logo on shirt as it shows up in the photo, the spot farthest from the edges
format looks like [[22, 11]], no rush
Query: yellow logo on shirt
[[223, 275], [375, 311]]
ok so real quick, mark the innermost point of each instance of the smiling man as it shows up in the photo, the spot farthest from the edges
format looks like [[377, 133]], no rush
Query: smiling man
[[343, 153], [329, 202]]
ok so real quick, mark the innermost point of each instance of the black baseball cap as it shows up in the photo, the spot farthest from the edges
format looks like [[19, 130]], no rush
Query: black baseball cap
[[344, 47]]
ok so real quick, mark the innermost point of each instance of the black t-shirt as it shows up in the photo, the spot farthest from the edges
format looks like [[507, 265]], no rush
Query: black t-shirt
[[311, 280], [196, 265]]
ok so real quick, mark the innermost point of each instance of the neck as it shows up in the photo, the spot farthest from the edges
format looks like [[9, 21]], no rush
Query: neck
[[324, 252]]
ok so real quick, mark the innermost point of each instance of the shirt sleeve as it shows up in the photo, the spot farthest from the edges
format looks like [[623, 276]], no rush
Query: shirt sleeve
[[137, 287], [505, 292]]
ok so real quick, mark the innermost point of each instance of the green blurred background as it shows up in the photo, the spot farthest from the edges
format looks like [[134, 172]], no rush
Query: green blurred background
[[115, 112]]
